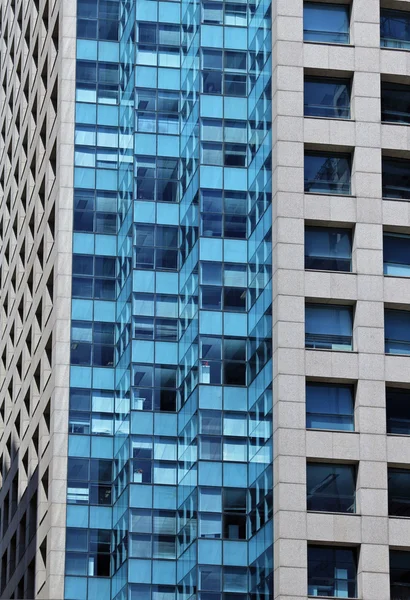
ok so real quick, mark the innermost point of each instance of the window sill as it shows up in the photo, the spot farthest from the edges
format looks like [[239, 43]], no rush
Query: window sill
[[396, 435], [397, 354], [329, 512], [348, 597], [330, 271], [330, 194], [338, 44], [334, 430], [397, 123], [330, 119], [394, 49]]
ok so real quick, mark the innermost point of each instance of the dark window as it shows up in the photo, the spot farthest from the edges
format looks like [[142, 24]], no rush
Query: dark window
[[331, 487], [398, 410], [394, 28], [327, 173], [399, 492], [332, 571], [329, 326], [395, 102], [396, 254], [399, 575], [395, 178], [397, 331], [327, 98], [326, 22], [329, 406], [328, 249]]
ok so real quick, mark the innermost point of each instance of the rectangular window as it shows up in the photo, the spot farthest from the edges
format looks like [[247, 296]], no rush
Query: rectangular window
[[326, 23], [395, 98], [398, 410], [328, 98], [329, 406], [328, 249], [394, 28], [397, 331], [329, 327], [331, 488], [399, 574], [399, 492], [395, 178], [332, 571], [396, 254], [327, 173]]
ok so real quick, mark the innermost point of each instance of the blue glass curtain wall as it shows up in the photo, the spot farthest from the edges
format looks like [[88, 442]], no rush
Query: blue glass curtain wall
[[172, 375]]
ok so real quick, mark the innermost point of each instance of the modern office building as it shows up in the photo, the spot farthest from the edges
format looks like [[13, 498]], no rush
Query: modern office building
[[205, 299]]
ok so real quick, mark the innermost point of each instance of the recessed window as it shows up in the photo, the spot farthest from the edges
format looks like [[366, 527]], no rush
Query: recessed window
[[396, 254], [395, 98], [398, 410], [395, 28], [327, 173], [396, 178], [399, 492], [397, 331], [328, 327], [328, 249], [330, 487], [399, 574], [327, 23], [332, 571], [329, 406], [327, 98]]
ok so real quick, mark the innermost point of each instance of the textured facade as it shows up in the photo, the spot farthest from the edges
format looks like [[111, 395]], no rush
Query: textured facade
[[205, 326], [36, 233]]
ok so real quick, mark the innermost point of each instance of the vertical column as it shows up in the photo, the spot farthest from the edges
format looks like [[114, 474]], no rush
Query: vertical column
[[288, 303], [373, 576]]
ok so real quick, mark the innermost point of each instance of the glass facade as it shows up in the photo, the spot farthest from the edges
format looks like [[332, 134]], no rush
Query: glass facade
[[170, 449]]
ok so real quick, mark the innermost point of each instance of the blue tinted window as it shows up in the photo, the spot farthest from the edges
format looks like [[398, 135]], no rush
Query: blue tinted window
[[327, 173], [399, 492], [329, 326], [395, 178], [332, 571], [326, 22], [398, 410], [397, 331], [396, 254], [330, 488], [395, 98], [327, 98], [328, 249], [329, 406], [399, 574], [395, 28]]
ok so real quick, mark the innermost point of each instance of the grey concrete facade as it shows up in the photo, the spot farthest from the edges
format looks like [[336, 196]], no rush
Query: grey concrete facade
[[36, 172], [366, 289]]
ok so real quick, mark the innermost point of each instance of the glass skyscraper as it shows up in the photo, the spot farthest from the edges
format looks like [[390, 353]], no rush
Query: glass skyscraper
[[169, 486]]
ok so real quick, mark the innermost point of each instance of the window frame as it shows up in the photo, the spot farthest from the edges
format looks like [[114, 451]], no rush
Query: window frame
[[335, 80], [329, 5]]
